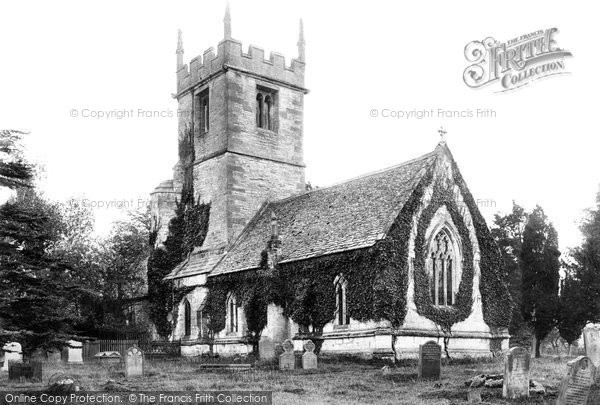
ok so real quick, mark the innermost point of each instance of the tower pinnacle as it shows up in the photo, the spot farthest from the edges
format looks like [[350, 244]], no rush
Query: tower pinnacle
[[227, 22], [179, 50], [301, 44]]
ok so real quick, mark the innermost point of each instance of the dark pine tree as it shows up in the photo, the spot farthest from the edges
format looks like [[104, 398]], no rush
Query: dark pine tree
[[37, 301], [540, 266], [508, 233], [586, 263], [573, 310]]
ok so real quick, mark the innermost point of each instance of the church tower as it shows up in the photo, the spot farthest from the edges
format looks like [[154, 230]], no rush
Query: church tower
[[242, 115]]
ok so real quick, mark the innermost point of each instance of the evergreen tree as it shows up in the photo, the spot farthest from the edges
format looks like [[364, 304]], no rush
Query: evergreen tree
[[36, 304], [586, 263], [508, 233], [540, 266], [574, 308]]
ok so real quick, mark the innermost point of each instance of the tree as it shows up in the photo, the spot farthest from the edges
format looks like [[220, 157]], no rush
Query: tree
[[574, 311], [36, 300], [127, 250], [540, 266], [15, 172], [508, 233], [585, 263]]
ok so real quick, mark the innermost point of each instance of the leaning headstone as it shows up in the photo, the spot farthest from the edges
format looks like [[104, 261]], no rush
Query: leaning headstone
[[75, 352], [575, 386], [516, 373], [134, 362], [309, 358], [591, 338], [430, 361], [287, 360], [12, 352]]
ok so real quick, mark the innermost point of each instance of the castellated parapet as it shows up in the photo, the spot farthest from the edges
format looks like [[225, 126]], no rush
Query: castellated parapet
[[242, 115], [230, 56]]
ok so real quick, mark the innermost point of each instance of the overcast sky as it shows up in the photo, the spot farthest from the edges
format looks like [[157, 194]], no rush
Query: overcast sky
[[541, 146]]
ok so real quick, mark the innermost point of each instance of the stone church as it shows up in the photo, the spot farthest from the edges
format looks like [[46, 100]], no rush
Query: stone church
[[430, 270]]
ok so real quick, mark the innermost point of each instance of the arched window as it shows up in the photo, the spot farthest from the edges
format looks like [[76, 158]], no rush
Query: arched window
[[187, 318], [268, 113], [266, 108], [442, 272], [202, 320], [259, 110], [341, 304], [232, 314]]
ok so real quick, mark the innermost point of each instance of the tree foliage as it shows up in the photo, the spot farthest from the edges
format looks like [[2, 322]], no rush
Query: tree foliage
[[540, 266], [508, 233], [37, 300], [574, 308], [585, 262]]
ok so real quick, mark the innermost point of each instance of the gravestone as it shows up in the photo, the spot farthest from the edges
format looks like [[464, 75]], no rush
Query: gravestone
[[309, 358], [474, 396], [591, 338], [54, 356], [430, 361], [108, 357], [134, 362], [31, 371], [516, 373], [287, 360], [75, 352], [12, 352], [38, 355], [575, 386]]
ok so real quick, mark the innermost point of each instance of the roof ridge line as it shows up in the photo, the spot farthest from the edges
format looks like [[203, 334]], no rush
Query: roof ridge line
[[365, 175]]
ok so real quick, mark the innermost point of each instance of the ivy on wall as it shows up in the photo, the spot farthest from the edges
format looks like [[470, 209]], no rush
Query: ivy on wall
[[496, 300], [442, 315], [377, 276], [187, 230]]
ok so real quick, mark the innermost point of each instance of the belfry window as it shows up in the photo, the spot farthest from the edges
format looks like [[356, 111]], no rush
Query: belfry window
[[266, 109], [341, 303], [202, 111], [232, 314], [269, 112], [187, 318], [442, 271]]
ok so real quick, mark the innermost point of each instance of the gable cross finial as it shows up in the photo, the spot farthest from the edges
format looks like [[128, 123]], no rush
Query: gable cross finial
[[442, 133]]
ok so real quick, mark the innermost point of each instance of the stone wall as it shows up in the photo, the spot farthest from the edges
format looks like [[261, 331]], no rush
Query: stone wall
[[162, 208]]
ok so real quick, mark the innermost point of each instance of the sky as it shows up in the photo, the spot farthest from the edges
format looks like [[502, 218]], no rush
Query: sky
[[65, 61]]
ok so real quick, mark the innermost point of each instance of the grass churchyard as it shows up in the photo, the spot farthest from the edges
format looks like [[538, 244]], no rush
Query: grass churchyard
[[336, 381]]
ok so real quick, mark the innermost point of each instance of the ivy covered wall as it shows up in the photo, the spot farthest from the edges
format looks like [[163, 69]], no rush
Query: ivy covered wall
[[377, 276]]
